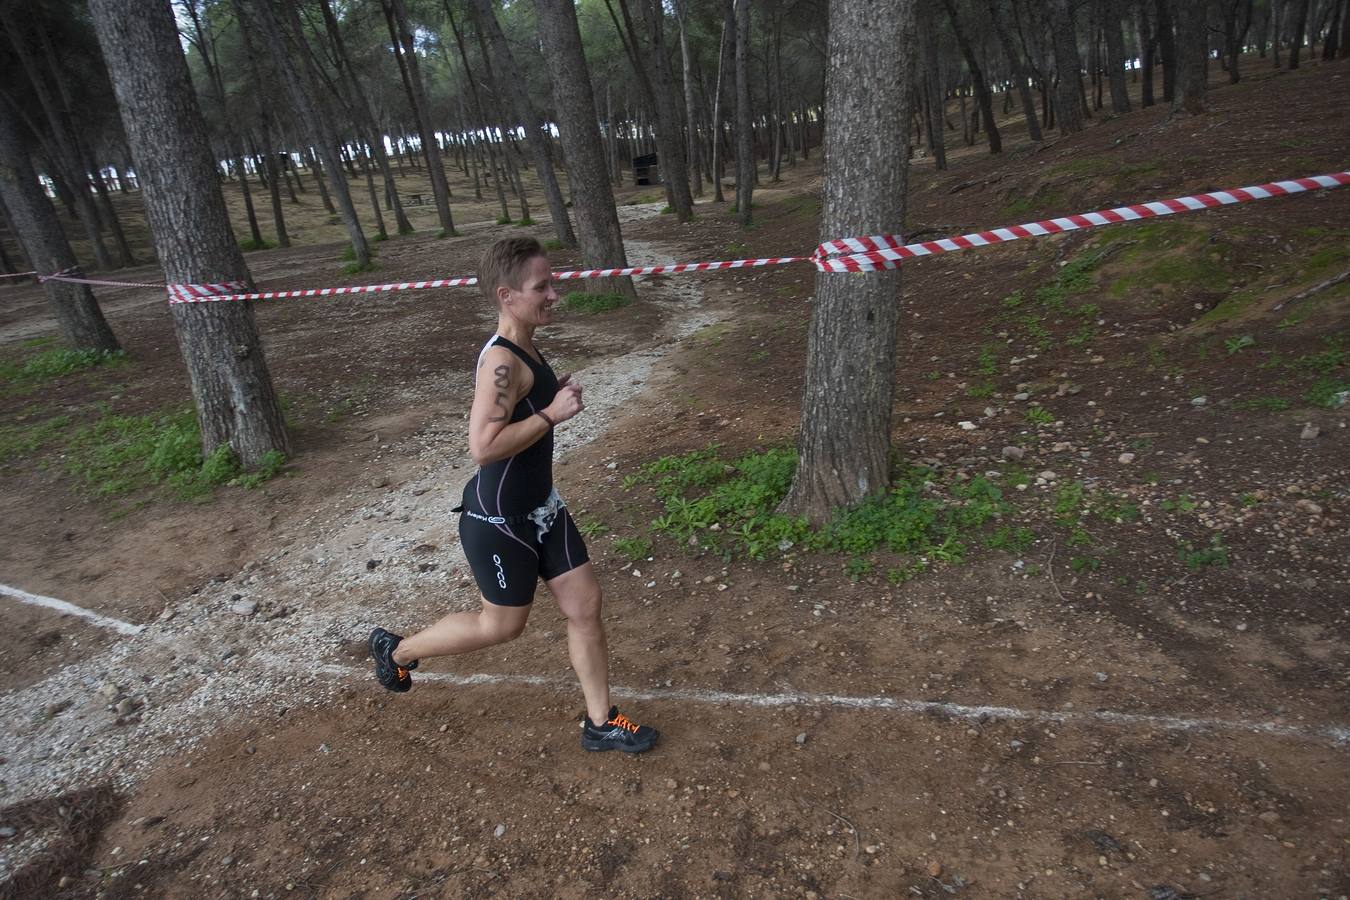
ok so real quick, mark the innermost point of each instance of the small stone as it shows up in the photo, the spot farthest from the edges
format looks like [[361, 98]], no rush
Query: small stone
[[1270, 817], [125, 707], [934, 869], [1100, 676], [1060, 446], [967, 426], [371, 564], [500, 830], [1047, 475], [671, 784], [444, 728], [1013, 453], [1241, 626], [8, 831], [1022, 396], [764, 766], [801, 738], [1202, 440], [65, 881], [244, 607], [1309, 507], [227, 861], [1199, 401], [1126, 458], [379, 482], [1310, 432], [109, 691]]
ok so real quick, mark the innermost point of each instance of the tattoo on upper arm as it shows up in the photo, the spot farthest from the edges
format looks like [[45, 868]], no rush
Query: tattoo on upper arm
[[502, 381]]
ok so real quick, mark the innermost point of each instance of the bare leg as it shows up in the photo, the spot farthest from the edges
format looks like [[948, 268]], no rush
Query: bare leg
[[464, 631], [578, 596]]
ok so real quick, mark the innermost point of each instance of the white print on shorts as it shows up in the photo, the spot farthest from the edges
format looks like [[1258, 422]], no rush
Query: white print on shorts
[[501, 576]]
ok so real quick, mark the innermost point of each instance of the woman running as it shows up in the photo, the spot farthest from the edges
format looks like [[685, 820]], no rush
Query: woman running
[[514, 527]]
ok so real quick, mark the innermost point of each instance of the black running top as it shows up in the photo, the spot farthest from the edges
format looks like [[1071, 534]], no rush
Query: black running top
[[518, 484]]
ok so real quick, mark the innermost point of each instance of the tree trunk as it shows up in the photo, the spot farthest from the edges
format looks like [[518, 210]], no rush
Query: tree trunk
[[691, 111], [1167, 48], [1300, 26], [745, 152], [656, 85], [1192, 52], [726, 49], [39, 233], [492, 170], [301, 82], [236, 403], [65, 155], [1068, 90], [406, 52], [844, 448], [1147, 45], [597, 217], [982, 93], [1019, 71], [1115, 55], [515, 82]]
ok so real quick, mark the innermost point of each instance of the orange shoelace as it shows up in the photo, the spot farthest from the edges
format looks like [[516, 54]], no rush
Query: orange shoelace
[[401, 673], [623, 722]]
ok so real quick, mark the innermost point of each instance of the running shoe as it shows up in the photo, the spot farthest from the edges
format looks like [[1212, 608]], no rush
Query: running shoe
[[391, 674], [617, 733]]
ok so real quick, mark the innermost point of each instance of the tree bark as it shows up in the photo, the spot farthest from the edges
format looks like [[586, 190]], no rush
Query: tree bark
[[1115, 55], [65, 154], [691, 111], [745, 150], [492, 171], [236, 403], [39, 233], [1167, 48], [373, 137], [513, 79], [982, 93], [1147, 46], [844, 447], [1020, 75], [1300, 26], [1192, 53], [725, 52], [406, 51], [1068, 90], [655, 83], [597, 217]]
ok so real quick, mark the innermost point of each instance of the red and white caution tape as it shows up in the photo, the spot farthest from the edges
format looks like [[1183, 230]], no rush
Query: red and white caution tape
[[855, 254], [18, 275], [886, 251]]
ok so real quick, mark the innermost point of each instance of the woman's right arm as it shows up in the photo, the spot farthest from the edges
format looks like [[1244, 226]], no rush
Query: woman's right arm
[[501, 382]]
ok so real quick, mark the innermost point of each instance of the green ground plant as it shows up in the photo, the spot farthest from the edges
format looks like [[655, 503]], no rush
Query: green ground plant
[[1213, 554], [17, 441], [636, 549], [1039, 415], [730, 507], [591, 304]]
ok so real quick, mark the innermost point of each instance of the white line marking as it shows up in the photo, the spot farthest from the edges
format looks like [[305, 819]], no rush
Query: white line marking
[[70, 609], [1338, 735]]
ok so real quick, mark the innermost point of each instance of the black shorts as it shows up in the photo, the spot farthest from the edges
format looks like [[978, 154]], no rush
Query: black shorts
[[508, 559]]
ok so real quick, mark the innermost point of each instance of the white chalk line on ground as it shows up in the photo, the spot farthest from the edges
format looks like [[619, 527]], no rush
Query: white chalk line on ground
[[1339, 735], [70, 609]]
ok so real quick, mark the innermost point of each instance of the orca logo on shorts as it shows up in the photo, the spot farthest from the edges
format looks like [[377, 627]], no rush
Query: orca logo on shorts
[[501, 575]]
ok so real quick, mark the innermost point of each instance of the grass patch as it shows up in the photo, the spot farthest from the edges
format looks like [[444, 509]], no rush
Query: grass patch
[[48, 364], [553, 244], [1214, 554], [1039, 415], [20, 440], [354, 268], [729, 507], [248, 246], [504, 220], [119, 455], [525, 222], [636, 549], [591, 304]]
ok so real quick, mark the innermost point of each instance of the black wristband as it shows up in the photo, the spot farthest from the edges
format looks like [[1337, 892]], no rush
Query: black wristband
[[541, 414]]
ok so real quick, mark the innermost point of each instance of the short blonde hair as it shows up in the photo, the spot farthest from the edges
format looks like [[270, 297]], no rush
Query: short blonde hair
[[504, 263]]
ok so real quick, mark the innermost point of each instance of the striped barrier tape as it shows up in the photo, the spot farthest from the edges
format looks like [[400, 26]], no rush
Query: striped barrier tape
[[855, 254], [18, 274]]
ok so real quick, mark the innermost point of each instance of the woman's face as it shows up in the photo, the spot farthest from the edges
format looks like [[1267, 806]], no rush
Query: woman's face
[[533, 303]]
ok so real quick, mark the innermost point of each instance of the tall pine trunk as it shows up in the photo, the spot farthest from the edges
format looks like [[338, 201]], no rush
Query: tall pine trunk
[[745, 137], [514, 81], [1192, 53], [843, 452], [983, 95], [1068, 90], [597, 217], [406, 52], [236, 403], [1115, 55], [39, 233]]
